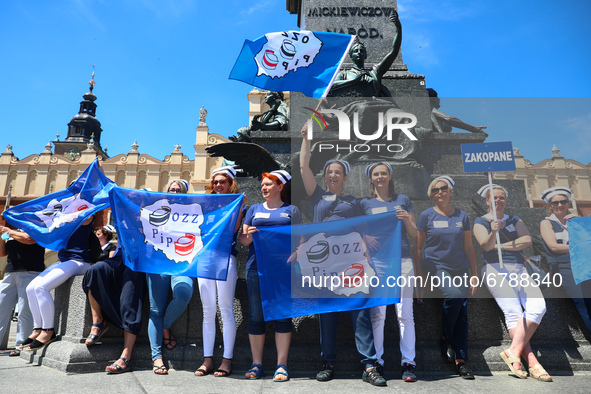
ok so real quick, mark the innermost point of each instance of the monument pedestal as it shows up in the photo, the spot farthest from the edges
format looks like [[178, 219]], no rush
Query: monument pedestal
[[561, 343]]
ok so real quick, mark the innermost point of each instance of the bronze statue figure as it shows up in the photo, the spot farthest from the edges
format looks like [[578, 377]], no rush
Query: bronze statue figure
[[361, 94], [275, 119], [359, 82], [443, 123]]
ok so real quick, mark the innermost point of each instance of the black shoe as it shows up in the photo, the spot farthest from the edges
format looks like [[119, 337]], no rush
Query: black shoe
[[447, 351], [408, 373], [373, 377], [325, 374], [464, 371], [380, 369], [38, 345]]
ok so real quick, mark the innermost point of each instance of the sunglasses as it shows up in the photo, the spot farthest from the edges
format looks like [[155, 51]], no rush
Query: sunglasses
[[219, 182], [561, 202], [436, 190]]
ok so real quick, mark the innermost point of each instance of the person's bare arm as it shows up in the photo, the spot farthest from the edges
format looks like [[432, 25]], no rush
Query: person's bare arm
[[523, 239], [550, 238], [19, 236], [305, 154]]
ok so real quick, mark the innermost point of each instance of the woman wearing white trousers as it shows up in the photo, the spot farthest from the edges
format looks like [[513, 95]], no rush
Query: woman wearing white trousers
[[222, 182], [521, 301]]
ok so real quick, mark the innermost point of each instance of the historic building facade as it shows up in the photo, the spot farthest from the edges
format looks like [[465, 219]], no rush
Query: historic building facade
[[54, 169], [555, 171], [58, 165]]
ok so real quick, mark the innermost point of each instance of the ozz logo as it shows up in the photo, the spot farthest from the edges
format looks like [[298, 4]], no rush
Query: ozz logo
[[392, 120], [59, 212], [173, 228]]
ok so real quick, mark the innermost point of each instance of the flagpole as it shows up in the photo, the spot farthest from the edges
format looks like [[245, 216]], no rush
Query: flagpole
[[494, 209]]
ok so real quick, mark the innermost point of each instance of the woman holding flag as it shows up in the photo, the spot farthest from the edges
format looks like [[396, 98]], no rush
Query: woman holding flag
[[382, 198], [449, 254], [333, 204], [273, 212], [162, 316], [222, 182], [521, 301], [554, 231]]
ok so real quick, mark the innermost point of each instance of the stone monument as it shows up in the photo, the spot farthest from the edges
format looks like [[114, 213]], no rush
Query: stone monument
[[562, 337]]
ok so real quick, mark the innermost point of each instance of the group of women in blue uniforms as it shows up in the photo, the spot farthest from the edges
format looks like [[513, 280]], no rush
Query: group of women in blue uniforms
[[441, 248]]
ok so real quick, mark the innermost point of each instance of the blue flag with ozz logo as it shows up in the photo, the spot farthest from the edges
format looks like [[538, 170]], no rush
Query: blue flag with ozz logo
[[301, 61], [579, 235], [51, 220], [331, 266], [176, 234]]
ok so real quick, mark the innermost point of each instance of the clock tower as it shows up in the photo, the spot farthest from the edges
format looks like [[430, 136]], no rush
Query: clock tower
[[84, 130]]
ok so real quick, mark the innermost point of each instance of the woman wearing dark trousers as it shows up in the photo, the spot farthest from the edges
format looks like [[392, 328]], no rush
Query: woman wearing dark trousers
[[446, 234], [115, 294], [275, 211], [554, 231], [332, 204]]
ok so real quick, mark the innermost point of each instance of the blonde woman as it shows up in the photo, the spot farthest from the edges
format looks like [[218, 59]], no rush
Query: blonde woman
[[445, 232], [523, 305], [222, 182], [554, 230]]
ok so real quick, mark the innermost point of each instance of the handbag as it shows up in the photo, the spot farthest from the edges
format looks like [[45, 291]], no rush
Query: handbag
[[533, 264]]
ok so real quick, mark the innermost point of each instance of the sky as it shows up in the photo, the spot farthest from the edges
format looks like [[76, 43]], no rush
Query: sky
[[521, 68]]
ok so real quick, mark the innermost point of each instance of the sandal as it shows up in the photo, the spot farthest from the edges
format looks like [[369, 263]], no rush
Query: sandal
[[38, 345], [278, 373], [541, 372], [222, 373], [103, 327], [509, 360], [168, 342], [14, 353], [118, 368], [257, 369], [202, 370], [28, 341], [160, 369]]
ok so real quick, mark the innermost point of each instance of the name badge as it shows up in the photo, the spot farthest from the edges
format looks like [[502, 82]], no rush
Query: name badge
[[510, 228], [562, 236], [440, 224], [330, 197], [262, 215], [375, 211]]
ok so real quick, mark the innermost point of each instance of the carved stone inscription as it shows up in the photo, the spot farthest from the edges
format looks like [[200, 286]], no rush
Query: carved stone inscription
[[367, 19]]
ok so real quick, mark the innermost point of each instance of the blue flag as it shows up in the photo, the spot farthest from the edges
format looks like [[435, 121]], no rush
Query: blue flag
[[50, 220], [176, 234], [302, 61], [329, 267], [579, 235]]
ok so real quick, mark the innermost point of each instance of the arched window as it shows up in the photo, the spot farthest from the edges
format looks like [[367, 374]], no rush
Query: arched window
[[10, 181], [52, 182], [141, 180], [164, 177], [72, 176], [120, 179], [31, 182]]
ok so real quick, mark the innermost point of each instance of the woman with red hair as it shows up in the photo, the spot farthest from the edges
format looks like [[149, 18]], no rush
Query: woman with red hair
[[273, 212]]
